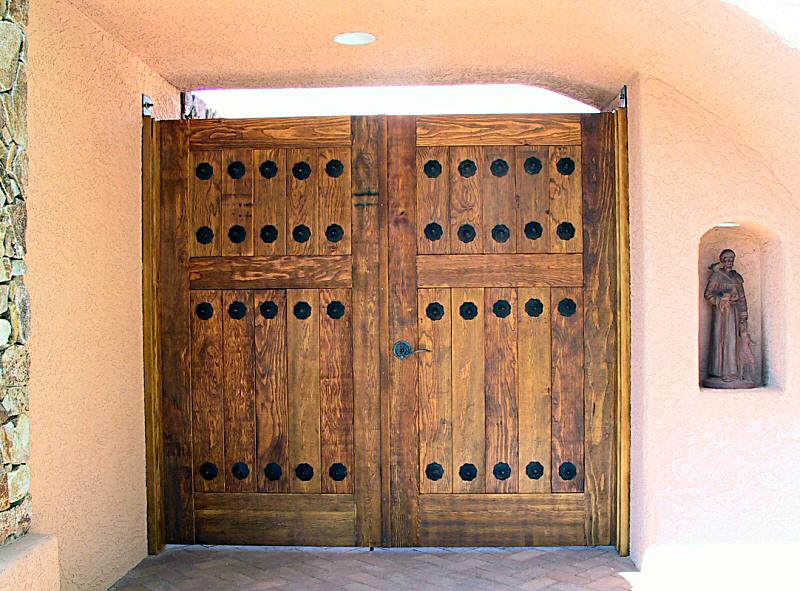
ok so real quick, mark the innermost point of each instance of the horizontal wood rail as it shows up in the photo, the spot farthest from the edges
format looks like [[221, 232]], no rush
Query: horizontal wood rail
[[499, 130], [271, 272], [210, 134], [500, 270]]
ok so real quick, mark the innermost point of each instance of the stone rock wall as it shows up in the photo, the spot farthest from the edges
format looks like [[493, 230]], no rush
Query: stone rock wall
[[15, 321]]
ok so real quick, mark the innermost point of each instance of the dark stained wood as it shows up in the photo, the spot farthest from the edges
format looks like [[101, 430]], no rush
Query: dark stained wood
[[205, 203], [498, 130], [334, 200], [502, 419], [465, 200], [237, 203], [208, 410], [275, 519], [533, 198], [239, 393], [269, 202], [301, 202], [433, 200], [174, 327], [565, 199], [499, 270], [498, 198], [278, 132], [270, 272], [336, 390], [272, 411], [567, 389]]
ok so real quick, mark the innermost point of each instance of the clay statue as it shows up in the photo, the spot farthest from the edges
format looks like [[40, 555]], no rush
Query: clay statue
[[731, 362]]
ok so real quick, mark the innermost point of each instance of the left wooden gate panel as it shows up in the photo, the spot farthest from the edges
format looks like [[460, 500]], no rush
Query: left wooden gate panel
[[269, 352]]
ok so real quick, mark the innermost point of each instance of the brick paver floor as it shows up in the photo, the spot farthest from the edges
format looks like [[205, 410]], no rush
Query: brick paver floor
[[228, 568]]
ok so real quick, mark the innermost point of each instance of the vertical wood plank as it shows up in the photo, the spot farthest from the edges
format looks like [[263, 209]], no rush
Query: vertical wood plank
[[433, 199], [237, 203], [302, 344], [435, 412], [565, 198], [208, 410], [334, 200], [270, 387], [533, 342], [497, 178], [269, 201], [174, 323], [301, 201], [533, 197], [502, 443], [469, 422], [465, 200], [567, 384], [239, 394], [336, 388], [204, 203]]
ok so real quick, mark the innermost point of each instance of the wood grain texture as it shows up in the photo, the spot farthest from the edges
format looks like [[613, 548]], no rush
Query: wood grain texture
[[239, 392], [272, 407], [336, 390], [175, 335], [334, 200], [533, 198], [237, 203], [533, 388], [465, 200], [269, 201], [275, 519], [302, 344], [469, 420], [276, 132], [270, 272], [433, 200], [567, 389], [498, 130], [435, 411], [565, 199], [205, 203], [499, 270], [208, 408], [301, 202], [498, 198], [502, 418]]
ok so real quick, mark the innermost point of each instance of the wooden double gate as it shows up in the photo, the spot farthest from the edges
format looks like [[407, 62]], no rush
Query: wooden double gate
[[389, 330]]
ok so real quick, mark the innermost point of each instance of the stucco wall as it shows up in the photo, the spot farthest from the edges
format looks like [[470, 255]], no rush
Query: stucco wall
[[87, 413]]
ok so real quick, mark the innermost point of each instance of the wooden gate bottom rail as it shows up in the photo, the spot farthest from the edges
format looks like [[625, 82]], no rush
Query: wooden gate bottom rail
[[500, 270], [271, 272]]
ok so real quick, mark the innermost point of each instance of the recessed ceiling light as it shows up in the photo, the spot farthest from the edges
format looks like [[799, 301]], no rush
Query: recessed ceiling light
[[354, 38], [728, 225]]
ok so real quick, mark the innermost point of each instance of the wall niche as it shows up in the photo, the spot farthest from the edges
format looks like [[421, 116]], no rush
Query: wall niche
[[725, 351]]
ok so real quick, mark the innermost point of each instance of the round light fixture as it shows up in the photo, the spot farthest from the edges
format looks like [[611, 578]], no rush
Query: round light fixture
[[354, 38]]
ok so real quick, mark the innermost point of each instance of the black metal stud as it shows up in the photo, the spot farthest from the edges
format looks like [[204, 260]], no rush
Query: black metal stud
[[466, 233], [567, 307], [434, 471], [237, 310], [565, 231], [273, 471], [468, 472], [304, 472], [434, 311], [268, 169], [565, 166], [533, 230], [236, 170], [334, 168], [433, 232], [499, 167], [237, 234], [334, 233], [468, 310], [533, 165], [240, 471], [501, 471], [269, 234], [301, 233], [501, 233], [302, 310], [268, 309], [301, 171], [335, 309], [534, 470], [209, 471], [204, 234], [337, 472], [204, 171], [501, 308], [432, 169], [204, 310], [534, 307], [467, 168], [567, 471]]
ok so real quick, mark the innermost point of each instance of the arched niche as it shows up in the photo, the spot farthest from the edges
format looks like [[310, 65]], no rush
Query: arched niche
[[759, 259]]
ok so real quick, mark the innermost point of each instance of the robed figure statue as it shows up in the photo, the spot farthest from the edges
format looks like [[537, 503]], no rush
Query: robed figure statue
[[731, 363]]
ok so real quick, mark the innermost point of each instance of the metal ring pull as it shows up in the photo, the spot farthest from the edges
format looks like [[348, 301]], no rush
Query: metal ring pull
[[404, 350]]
